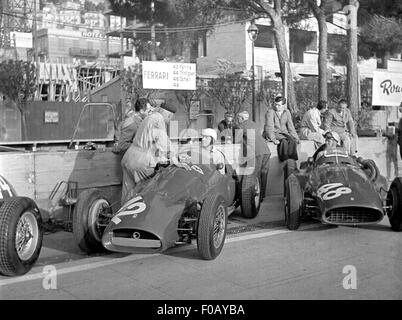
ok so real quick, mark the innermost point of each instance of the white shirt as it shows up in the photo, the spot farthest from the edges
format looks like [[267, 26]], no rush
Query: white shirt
[[312, 120]]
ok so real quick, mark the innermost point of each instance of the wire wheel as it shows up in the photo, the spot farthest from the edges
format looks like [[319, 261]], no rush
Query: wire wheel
[[26, 236], [219, 226]]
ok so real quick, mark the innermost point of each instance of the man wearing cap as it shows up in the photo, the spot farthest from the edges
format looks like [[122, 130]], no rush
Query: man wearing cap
[[130, 125], [280, 130], [227, 127], [340, 120], [151, 144], [209, 137], [254, 148]]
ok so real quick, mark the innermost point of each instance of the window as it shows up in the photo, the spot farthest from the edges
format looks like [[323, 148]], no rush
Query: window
[[265, 37]]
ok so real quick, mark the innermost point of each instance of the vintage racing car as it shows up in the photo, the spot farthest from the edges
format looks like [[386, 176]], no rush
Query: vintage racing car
[[173, 207], [339, 189], [21, 231]]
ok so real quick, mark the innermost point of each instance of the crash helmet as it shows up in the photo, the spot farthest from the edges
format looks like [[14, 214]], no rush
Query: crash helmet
[[209, 132], [333, 135]]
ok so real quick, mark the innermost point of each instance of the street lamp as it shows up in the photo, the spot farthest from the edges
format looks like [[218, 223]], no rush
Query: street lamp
[[253, 33]]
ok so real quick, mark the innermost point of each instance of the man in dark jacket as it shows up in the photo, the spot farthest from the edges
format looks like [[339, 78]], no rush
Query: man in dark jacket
[[255, 149], [227, 127]]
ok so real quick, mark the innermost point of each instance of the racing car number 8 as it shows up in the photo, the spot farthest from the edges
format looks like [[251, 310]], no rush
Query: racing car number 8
[[332, 191], [132, 207]]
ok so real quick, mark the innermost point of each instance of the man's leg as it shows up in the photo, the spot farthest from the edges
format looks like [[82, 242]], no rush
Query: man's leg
[[283, 152], [128, 184], [264, 174], [292, 148], [346, 142]]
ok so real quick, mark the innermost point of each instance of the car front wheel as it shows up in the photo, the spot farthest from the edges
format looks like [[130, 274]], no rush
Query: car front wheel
[[21, 234], [394, 199], [89, 213], [293, 203], [212, 225]]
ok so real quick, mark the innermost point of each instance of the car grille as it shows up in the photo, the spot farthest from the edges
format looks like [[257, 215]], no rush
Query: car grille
[[135, 239], [353, 215]]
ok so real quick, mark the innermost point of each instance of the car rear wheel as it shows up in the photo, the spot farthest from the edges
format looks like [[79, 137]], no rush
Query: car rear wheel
[[394, 199], [293, 203], [21, 235], [212, 225], [250, 196], [87, 226]]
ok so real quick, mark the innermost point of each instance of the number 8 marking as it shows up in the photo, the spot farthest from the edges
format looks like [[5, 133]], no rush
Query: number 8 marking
[[332, 191]]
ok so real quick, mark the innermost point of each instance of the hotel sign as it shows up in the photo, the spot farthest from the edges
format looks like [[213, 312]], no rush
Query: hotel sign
[[168, 75], [387, 88]]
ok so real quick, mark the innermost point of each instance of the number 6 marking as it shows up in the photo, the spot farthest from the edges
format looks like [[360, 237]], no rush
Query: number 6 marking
[[332, 191], [132, 207]]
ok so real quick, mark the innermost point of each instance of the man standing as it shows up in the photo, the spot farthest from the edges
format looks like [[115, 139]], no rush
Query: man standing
[[311, 123], [340, 120], [227, 127], [280, 130], [150, 146], [255, 148], [130, 125]]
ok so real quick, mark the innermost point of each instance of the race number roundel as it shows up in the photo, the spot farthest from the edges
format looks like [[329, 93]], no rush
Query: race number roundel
[[332, 191], [132, 207]]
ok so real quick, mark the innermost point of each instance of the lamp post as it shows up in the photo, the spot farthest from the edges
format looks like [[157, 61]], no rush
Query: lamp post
[[253, 33]]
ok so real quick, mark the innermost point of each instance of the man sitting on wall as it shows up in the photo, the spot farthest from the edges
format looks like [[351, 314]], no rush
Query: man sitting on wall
[[280, 130], [311, 123], [339, 120]]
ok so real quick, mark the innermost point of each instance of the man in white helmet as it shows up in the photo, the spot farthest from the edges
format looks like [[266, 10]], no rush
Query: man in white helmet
[[209, 136]]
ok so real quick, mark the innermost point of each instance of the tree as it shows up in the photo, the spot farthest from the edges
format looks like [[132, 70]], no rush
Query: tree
[[186, 99], [18, 83], [320, 12], [278, 11], [231, 91], [184, 15], [381, 37], [132, 85]]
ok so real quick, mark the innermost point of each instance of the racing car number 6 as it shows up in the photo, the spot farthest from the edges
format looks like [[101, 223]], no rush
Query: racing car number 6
[[332, 191], [132, 207]]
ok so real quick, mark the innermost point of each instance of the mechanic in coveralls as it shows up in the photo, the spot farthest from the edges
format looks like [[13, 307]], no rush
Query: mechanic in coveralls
[[130, 125], [150, 146]]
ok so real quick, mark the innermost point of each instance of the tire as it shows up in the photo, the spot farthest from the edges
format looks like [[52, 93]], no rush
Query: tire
[[87, 234], [214, 213], [394, 199], [20, 222], [289, 168], [293, 203], [250, 196]]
